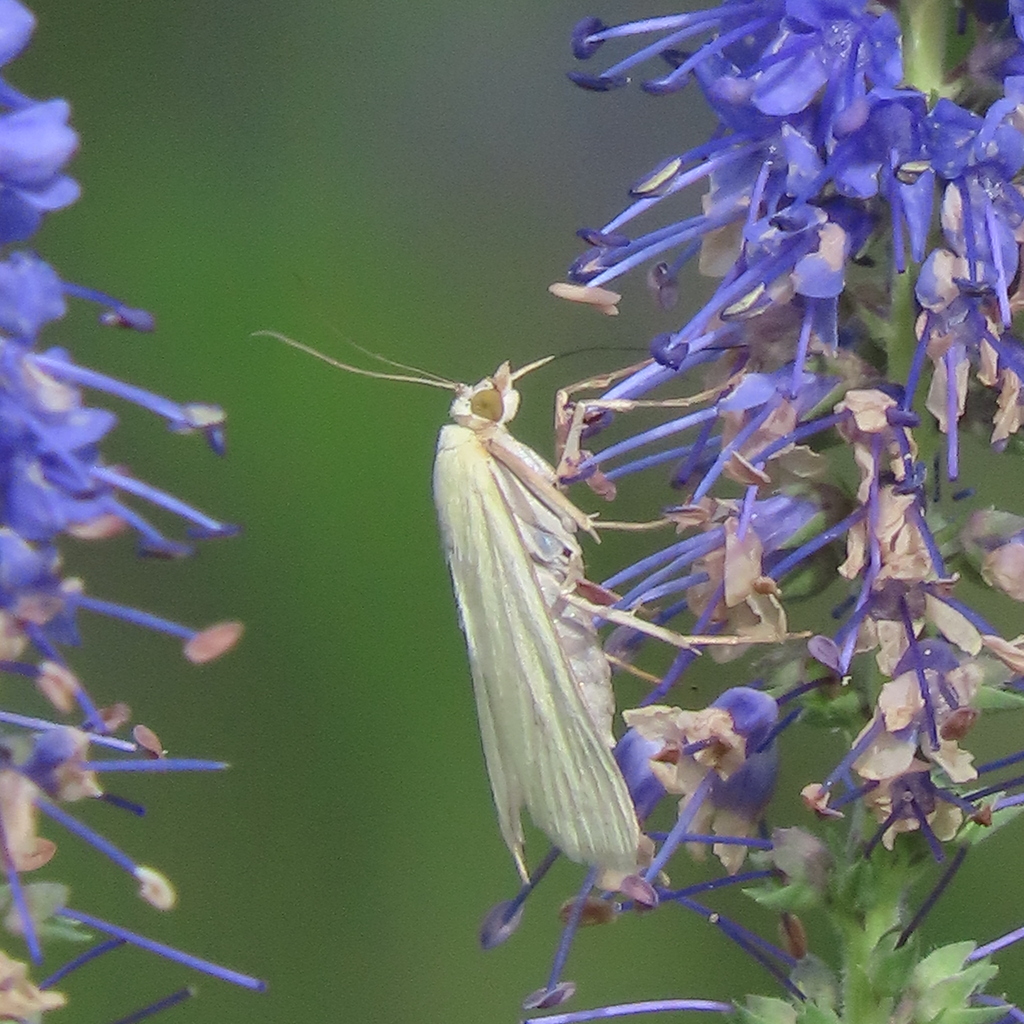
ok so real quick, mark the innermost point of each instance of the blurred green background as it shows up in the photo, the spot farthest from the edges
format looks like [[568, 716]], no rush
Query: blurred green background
[[408, 177]]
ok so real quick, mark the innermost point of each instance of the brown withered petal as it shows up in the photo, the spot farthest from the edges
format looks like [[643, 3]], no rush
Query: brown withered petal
[[1007, 419], [743, 472], [30, 860], [867, 406], [816, 798], [75, 783], [1004, 568], [12, 637], [954, 625], [19, 998], [686, 516], [602, 486], [742, 565], [59, 685], [17, 805], [1009, 652]]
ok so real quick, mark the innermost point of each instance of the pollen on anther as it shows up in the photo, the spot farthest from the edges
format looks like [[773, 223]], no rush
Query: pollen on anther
[[548, 998], [212, 642], [606, 301], [155, 888], [149, 741]]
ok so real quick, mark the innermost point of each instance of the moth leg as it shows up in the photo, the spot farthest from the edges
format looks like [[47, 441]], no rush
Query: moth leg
[[650, 524], [542, 488], [571, 419], [620, 664], [519, 857], [567, 432], [632, 621]]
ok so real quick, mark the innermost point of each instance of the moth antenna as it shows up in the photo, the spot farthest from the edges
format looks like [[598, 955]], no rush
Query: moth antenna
[[432, 382], [427, 375], [530, 367], [333, 328]]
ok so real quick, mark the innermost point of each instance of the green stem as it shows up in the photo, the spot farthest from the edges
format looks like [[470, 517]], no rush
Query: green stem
[[900, 339], [861, 936], [925, 30]]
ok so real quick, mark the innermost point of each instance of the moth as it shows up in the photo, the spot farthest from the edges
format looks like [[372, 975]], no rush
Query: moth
[[542, 682], [540, 677]]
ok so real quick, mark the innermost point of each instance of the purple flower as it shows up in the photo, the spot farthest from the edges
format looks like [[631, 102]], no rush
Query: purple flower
[[862, 216], [36, 142], [55, 483]]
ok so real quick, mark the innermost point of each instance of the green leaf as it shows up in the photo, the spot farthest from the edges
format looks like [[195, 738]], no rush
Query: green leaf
[[971, 1015], [819, 984], [811, 1013], [65, 930], [950, 995], [768, 1010], [992, 698], [832, 708], [891, 969], [797, 896], [941, 963], [43, 900]]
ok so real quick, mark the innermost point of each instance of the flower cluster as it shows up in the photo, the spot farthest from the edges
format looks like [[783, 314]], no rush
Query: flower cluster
[[862, 217], [55, 484]]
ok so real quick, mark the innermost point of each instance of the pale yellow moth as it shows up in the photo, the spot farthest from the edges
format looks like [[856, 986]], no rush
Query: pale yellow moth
[[541, 680]]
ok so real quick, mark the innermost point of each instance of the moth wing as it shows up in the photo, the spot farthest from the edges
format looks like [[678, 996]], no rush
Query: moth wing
[[547, 531], [540, 743]]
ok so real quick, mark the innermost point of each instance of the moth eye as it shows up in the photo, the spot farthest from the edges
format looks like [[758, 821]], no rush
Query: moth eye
[[487, 405]]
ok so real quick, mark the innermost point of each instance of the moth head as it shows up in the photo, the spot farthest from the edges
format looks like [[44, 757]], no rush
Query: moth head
[[491, 402]]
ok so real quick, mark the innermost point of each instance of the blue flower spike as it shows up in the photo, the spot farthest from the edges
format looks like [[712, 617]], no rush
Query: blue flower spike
[[811, 429], [57, 484]]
